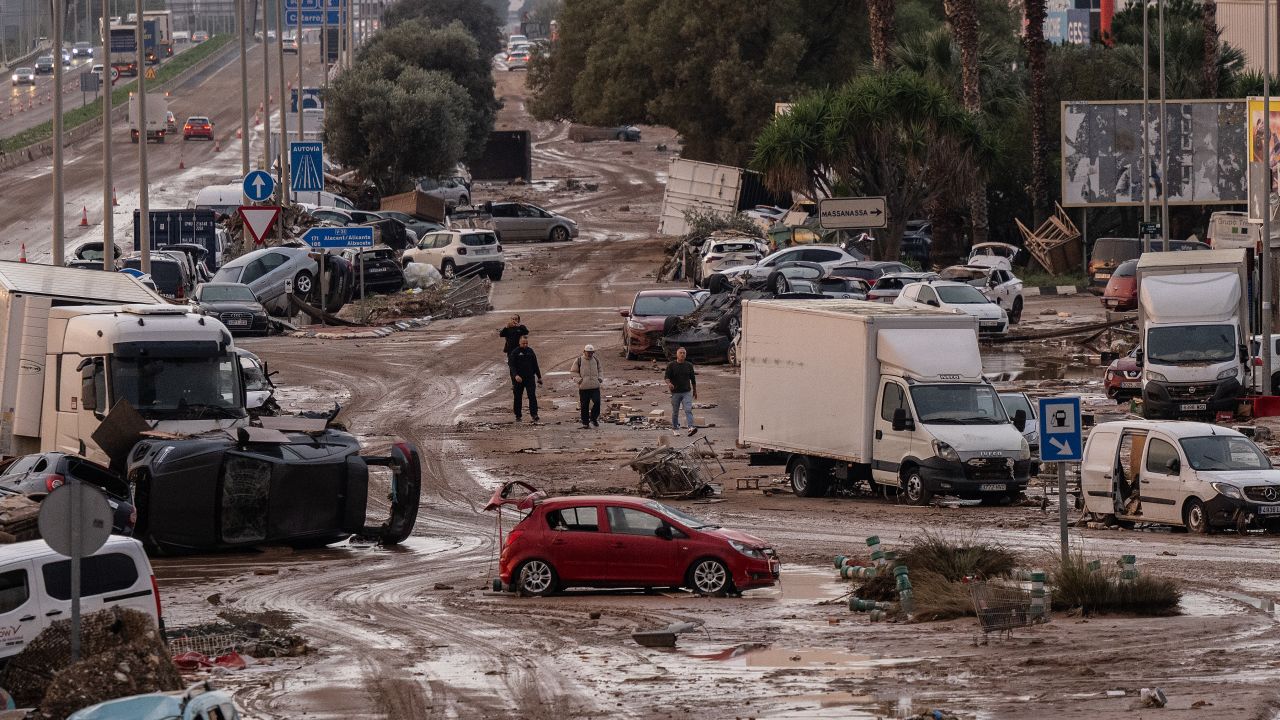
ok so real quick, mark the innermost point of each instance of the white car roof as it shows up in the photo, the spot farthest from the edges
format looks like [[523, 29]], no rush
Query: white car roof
[[32, 549], [1175, 428]]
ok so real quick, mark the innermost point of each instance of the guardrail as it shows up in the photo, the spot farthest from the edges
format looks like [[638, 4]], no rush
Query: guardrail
[[27, 59]]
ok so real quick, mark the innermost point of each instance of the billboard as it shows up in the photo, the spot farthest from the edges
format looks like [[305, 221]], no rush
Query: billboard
[[1257, 111], [1102, 153]]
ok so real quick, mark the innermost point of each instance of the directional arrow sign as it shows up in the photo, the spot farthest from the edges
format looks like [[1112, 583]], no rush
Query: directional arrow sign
[[852, 213], [1060, 429], [259, 185], [259, 219], [336, 238]]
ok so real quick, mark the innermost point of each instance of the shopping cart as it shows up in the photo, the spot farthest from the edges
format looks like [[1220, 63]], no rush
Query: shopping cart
[[1001, 607]]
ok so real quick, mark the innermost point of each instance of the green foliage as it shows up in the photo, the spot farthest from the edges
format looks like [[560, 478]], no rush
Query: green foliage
[[704, 222], [1102, 591], [481, 19], [957, 558]]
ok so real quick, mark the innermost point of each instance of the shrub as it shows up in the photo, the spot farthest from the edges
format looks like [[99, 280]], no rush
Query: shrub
[[1102, 591], [956, 559]]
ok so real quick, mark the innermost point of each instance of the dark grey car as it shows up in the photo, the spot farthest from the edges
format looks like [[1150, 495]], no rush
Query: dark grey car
[[38, 475], [234, 304]]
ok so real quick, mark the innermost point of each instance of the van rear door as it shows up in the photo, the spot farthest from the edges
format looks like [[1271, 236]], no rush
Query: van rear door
[[22, 615], [111, 578]]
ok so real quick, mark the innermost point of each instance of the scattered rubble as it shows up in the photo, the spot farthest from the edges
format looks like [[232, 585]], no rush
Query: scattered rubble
[[668, 472]]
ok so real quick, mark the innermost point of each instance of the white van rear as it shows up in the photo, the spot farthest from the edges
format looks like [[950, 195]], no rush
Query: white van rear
[[227, 199]]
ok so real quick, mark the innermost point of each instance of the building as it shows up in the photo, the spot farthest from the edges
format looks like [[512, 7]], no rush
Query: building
[[1240, 25], [22, 23]]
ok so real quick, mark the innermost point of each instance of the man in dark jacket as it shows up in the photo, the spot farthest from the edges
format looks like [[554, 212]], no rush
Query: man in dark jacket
[[511, 334], [523, 364]]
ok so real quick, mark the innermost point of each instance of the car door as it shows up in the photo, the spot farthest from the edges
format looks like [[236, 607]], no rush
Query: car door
[[1127, 474], [762, 270], [890, 446], [506, 222], [534, 223], [22, 615], [926, 296], [1162, 489], [275, 268], [577, 544], [821, 255], [636, 554]]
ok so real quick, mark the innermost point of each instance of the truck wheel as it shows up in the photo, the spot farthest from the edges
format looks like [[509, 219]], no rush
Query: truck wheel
[[1194, 517], [913, 487], [807, 479], [1015, 313]]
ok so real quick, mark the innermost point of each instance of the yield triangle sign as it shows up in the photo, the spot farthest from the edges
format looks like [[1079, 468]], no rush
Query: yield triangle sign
[[259, 219]]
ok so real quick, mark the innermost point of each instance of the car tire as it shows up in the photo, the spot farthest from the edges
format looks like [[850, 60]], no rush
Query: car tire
[[807, 478], [718, 284], [1015, 314], [1194, 518], [733, 355], [495, 276], [913, 487], [775, 283], [709, 576], [447, 270], [559, 233], [463, 201], [304, 285], [537, 578], [621, 137]]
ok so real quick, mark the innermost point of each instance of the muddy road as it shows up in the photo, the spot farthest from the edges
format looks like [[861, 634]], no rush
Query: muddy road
[[413, 632]]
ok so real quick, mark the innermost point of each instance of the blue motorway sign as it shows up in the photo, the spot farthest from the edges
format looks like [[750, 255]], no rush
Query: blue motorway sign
[[1060, 437], [259, 185], [337, 238], [313, 18], [306, 166], [312, 4]]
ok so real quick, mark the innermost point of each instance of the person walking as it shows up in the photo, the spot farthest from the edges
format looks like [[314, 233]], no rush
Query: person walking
[[587, 374], [683, 383], [523, 363], [511, 334]]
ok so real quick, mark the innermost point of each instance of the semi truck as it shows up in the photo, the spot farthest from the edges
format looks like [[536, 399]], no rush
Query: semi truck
[[1193, 326], [846, 391], [123, 53], [163, 31], [157, 108]]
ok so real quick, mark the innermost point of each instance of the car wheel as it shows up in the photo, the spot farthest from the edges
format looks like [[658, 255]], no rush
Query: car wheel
[[304, 284], [913, 487], [621, 137], [718, 284], [733, 355], [776, 282], [1195, 518], [807, 479], [537, 578], [710, 577], [559, 234], [1015, 315], [447, 270], [495, 276]]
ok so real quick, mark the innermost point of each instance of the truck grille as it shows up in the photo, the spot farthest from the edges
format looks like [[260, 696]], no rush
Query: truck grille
[[1263, 493], [237, 319], [1189, 392], [989, 469]]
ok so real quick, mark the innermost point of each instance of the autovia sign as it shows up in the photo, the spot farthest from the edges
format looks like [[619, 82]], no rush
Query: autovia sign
[[852, 213]]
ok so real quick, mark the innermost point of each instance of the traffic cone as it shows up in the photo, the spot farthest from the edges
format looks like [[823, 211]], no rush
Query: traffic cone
[[23, 256], [217, 147], [182, 164], [239, 134], [84, 216], [114, 202]]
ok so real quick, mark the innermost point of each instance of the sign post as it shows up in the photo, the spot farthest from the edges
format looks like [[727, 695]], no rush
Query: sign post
[[852, 213], [75, 520], [1061, 442], [335, 238]]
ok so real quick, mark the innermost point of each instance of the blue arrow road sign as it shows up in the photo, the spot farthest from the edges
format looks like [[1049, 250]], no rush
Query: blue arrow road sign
[[259, 185], [336, 238], [1060, 437], [306, 166], [313, 18]]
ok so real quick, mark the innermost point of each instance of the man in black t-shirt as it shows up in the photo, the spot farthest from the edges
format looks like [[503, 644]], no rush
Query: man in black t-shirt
[[511, 334], [683, 383]]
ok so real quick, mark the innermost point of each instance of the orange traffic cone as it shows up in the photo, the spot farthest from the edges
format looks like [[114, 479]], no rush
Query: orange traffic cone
[[217, 147], [23, 256], [114, 201], [182, 164], [239, 134], [84, 216]]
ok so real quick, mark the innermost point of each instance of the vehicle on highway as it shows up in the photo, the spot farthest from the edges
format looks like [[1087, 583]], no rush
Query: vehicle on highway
[[1123, 377], [24, 76], [40, 474], [290, 46], [1109, 252], [514, 40], [517, 60], [1121, 292], [82, 49], [626, 133], [35, 584], [526, 221], [234, 304], [97, 69], [181, 37], [199, 36], [1187, 474], [956, 297], [450, 190], [996, 284], [44, 64], [645, 319], [197, 126], [198, 702], [621, 541], [171, 275], [170, 121], [887, 287], [460, 252], [378, 268]]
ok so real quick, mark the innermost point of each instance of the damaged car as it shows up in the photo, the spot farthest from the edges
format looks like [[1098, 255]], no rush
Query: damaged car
[[998, 285], [38, 475], [647, 316], [707, 333]]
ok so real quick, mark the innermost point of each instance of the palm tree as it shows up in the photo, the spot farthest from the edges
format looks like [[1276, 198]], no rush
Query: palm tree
[[1209, 67], [882, 31], [962, 15], [1035, 15]]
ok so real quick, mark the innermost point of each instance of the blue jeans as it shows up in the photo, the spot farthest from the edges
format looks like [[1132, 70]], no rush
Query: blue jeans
[[678, 399]]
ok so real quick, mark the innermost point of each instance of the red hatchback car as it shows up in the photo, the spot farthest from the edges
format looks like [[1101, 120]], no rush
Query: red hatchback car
[[647, 315], [1124, 378], [197, 127], [1122, 289], [620, 541]]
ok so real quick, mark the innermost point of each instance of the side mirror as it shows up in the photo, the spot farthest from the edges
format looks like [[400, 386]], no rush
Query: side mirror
[[901, 422], [1174, 465], [1020, 420], [1140, 358], [624, 312], [664, 531]]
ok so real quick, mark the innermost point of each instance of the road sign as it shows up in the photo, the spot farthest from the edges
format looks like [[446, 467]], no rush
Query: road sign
[[1149, 229], [66, 530], [258, 219], [259, 185], [336, 238], [115, 74], [89, 82], [306, 166], [852, 213], [312, 4], [1060, 429], [151, 73], [313, 18]]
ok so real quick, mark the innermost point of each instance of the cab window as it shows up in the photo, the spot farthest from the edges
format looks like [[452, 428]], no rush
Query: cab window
[[893, 399], [1158, 456]]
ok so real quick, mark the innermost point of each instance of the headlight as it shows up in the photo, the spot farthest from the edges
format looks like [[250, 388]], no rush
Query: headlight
[[945, 451], [1226, 374], [1228, 490], [1024, 453], [635, 325], [746, 549], [213, 314], [1156, 377]]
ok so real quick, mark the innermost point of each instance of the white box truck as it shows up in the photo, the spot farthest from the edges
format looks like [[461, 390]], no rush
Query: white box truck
[[1193, 328], [157, 107], [844, 391]]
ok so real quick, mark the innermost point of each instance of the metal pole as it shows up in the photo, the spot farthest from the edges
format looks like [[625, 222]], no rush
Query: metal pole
[[1164, 151], [1146, 130], [244, 92], [266, 91], [144, 218], [298, 41], [1062, 510], [76, 517], [324, 48], [108, 234], [59, 216], [284, 107], [1264, 154], [351, 33]]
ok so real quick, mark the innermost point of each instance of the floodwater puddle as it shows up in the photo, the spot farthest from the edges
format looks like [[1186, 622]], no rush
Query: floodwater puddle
[[808, 583], [1056, 363], [1198, 604], [759, 655]]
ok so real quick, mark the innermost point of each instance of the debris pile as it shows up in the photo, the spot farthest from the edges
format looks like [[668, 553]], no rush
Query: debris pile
[[296, 222], [1055, 244], [668, 472], [450, 299], [18, 518], [220, 643]]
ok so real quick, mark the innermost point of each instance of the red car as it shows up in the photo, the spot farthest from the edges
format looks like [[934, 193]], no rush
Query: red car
[[647, 315], [1121, 292], [1124, 377], [621, 541], [197, 127]]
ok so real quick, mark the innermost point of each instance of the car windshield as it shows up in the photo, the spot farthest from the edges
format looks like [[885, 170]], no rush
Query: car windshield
[[743, 247], [479, 239], [179, 387], [689, 521], [228, 274], [254, 378], [1113, 251], [1128, 268], [224, 293], [958, 404], [959, 295], [1191, 344], [663, 305], [1223, 452], [1013, 402], [862, 273]]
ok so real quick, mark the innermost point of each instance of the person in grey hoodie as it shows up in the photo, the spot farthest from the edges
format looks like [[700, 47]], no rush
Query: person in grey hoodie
[[588, 375]]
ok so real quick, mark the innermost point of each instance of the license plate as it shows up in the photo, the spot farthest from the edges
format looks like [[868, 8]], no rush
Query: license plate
[[1189, 407], [483, 251], [1131, 385], [991, 487], [378, 271], [1103, 276], [1268, 509]]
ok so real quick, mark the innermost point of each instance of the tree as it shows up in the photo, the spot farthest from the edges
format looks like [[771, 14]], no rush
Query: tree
[[1209, 66], [1035, 17], [888, 133], [480, 18], [395, 123], [962, 15], [881, 13]]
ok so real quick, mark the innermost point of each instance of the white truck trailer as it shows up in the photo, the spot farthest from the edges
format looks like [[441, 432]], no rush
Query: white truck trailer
[[843, 391], [157, 108]]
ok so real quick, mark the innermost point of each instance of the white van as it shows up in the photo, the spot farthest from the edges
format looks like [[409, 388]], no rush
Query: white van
[[35, 586], [227, 199], [1187, 474]]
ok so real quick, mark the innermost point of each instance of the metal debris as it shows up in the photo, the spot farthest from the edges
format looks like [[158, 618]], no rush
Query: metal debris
[[669, 472]]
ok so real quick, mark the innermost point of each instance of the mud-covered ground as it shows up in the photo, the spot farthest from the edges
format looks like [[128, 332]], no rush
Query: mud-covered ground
[[413, 632]]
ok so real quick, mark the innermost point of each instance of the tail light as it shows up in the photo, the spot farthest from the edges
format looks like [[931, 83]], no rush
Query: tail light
[[155, 590], [873, 295], [180, 294], [53, 482], [462, 251], [187, 126], [1257, 362]]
